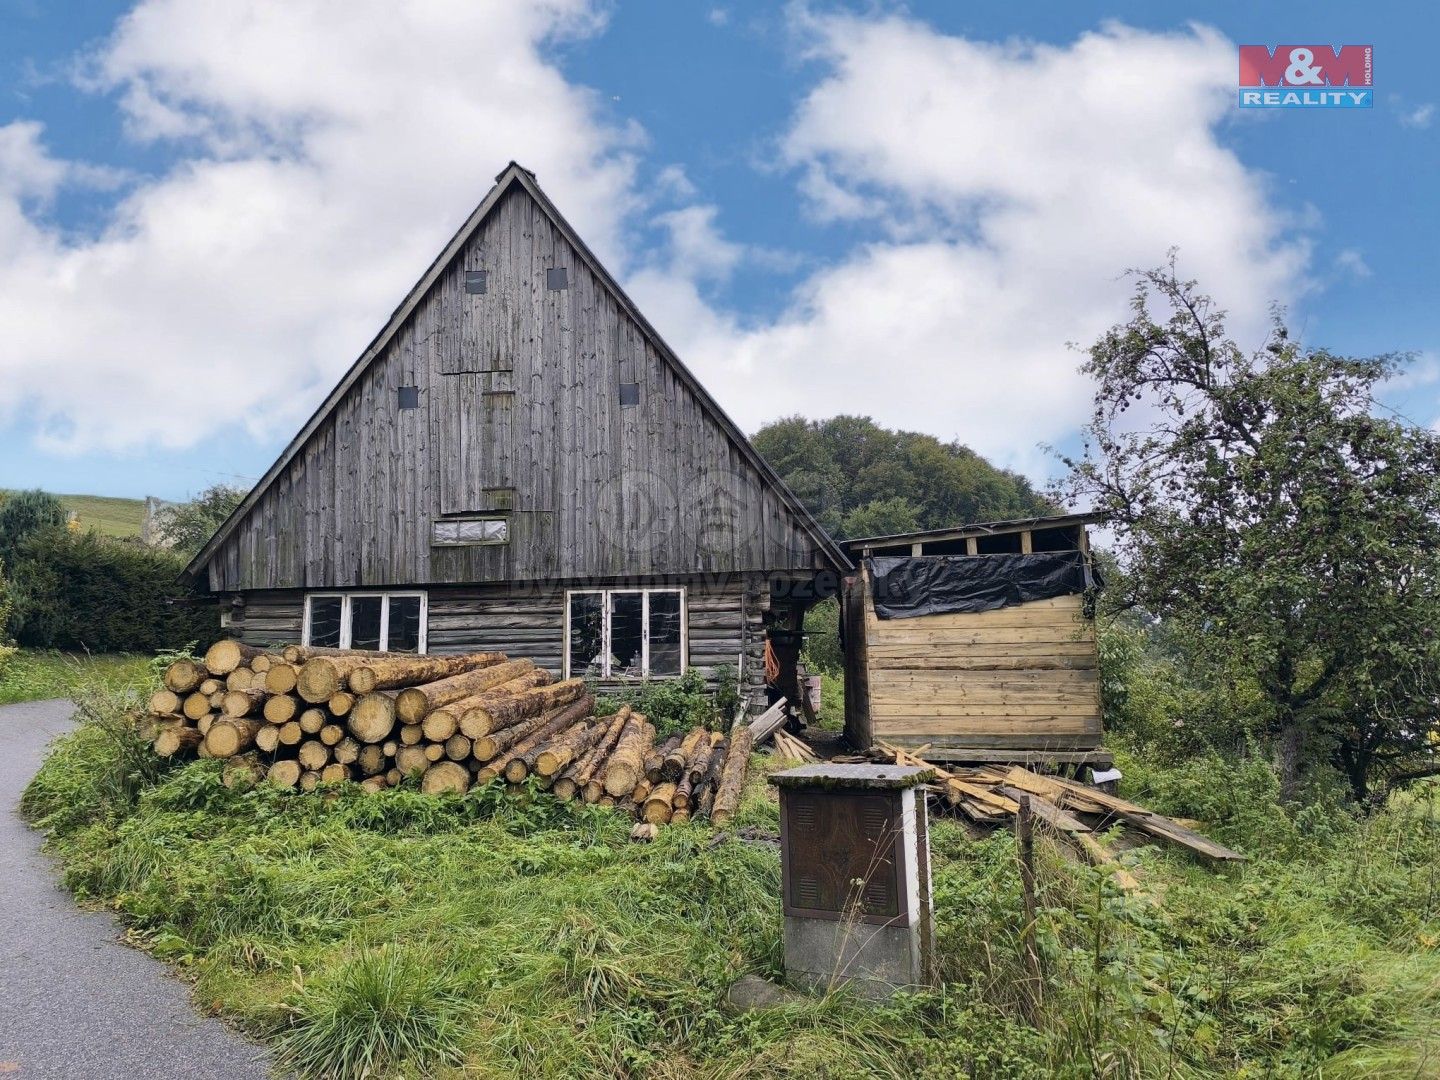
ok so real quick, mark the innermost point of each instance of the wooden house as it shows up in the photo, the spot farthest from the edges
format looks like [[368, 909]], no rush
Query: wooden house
[[977, 641], [519, 462]]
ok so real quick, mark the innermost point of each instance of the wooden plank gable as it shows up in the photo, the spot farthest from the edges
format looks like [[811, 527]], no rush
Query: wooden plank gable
[[557, 409]]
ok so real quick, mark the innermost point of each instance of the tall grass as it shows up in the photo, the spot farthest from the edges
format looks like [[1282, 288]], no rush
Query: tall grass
[[404, 934], [40, 674]]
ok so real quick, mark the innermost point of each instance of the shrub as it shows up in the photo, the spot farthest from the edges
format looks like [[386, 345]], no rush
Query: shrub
[[675, 705], [98, 771], [822, 645], [22, 515], [90, 592]]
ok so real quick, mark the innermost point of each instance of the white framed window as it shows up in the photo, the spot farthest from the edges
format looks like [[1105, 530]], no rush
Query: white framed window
[[625, 633], [390, 621]]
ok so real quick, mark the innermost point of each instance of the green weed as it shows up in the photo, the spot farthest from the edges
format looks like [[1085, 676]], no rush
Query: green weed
[[404, 934]]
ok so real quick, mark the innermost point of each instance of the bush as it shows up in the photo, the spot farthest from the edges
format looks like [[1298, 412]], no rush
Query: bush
[[85, 591], [822, 645], [677, 705], [22, 515]]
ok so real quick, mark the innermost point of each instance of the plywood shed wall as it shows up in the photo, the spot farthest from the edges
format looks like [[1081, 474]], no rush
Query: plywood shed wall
[[1020, 678]]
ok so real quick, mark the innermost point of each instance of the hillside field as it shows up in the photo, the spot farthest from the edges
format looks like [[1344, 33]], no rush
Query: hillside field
[[111, 516]]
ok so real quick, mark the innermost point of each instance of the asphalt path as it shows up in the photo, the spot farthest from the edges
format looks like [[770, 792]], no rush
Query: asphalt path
[[76, 1003]]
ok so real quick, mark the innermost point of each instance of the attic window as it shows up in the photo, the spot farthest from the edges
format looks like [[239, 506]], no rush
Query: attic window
[[557, 278], [470, 532], [629, 393], [409, 397], [475, 282]]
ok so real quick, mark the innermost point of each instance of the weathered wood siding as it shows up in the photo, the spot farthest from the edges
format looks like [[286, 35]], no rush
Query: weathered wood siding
[[520, 413], [268, 618], [1020, 677], [724, 626]]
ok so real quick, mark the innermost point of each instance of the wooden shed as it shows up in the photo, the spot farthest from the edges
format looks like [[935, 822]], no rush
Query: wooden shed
[[978, 641], [519, 461]]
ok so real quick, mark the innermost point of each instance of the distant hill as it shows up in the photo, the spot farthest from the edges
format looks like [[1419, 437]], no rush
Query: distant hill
[[111, 516]]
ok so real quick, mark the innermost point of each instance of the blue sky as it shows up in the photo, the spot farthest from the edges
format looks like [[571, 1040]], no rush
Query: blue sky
[[206, 211]]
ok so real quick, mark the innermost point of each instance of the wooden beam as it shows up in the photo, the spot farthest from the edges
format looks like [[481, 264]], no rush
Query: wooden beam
[[768, 722]]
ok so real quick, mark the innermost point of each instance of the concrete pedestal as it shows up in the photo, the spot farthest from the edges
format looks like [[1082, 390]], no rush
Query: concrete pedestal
[[855, 858]]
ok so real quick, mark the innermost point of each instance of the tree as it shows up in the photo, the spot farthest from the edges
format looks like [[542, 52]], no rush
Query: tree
[[187, 526], [1285, 531], [24, 513], [860, 479], [882, 517]]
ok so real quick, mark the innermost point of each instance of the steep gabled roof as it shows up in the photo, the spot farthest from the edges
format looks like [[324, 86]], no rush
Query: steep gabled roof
[[512, 175]]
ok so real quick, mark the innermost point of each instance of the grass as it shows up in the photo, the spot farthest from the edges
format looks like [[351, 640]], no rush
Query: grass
[[38, 675], [111, 516], [402, 935]]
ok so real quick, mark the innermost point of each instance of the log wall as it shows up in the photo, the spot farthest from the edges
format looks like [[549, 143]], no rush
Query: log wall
[[724, 621]]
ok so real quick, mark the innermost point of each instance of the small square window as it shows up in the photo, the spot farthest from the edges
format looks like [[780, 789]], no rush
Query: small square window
[[475, 282], [409, 397], [629, 393], [557, 278]]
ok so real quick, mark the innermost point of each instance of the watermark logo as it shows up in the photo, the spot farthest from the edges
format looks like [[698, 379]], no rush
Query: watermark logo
[[1306, 76]]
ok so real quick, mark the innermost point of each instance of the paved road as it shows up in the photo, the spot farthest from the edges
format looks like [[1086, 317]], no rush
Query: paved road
[[75, 1003]]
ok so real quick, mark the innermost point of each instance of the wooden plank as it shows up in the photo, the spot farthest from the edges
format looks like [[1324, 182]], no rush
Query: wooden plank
[[854, 599], [927, 680], [1024, 756], [1099, 855], [939, 711], [1040, 613], [1148, 821], [1036, 728], [1049, 787], [987, 663], [1047, 811], [768, 722], [1071, 646], [1036, 745], [885, 698]]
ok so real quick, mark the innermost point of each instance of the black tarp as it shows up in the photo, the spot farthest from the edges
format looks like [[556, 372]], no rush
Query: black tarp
[[906, 587]]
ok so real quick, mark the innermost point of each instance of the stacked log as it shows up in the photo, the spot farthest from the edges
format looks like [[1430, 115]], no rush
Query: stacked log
[[305, 717]]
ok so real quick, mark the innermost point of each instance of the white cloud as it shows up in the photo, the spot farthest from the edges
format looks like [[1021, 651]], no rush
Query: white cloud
[[326, 158], [1353, 263], [1418, 117], [673, 181], [1008, 187]]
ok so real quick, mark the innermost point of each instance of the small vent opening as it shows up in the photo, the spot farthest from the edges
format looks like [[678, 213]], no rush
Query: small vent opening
[[476, 282], [629, 393], [409, 397], [557, 278]]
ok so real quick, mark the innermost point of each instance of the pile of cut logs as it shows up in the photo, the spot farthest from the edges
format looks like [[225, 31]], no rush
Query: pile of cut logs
[[301, 717]]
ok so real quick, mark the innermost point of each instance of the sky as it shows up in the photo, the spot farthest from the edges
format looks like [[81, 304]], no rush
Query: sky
[[908, 212]]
